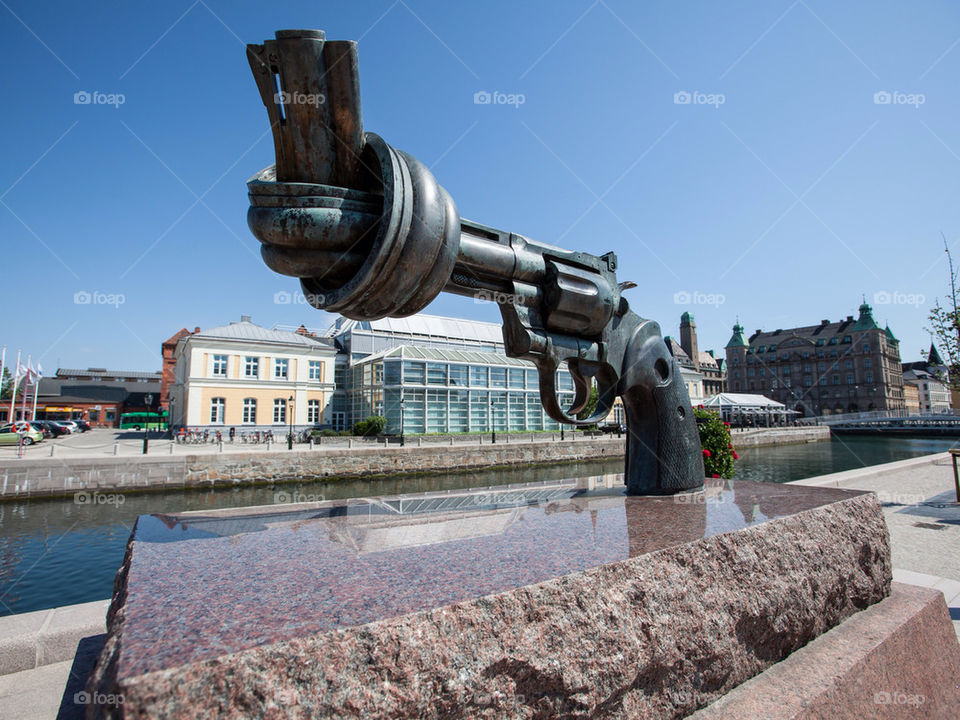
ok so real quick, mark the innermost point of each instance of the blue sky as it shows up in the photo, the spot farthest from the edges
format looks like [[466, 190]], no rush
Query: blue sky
[[780, 194]]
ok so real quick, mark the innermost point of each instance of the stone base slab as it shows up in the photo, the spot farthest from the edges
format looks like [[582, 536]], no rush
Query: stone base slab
[[552, 602], [897, 659]]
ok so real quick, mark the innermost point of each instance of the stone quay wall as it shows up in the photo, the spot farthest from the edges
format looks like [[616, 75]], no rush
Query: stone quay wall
[[67, 476], [64, 476], [780, 436]]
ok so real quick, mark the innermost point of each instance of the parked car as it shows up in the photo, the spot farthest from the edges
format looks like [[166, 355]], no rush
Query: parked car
[[49, 428], [83, 425], [10, 435], [64, 425]]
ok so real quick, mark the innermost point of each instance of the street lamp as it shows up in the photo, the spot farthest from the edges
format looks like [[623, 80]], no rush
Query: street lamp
[[403, 441], [147, 401], [493, 427], [290, 414]]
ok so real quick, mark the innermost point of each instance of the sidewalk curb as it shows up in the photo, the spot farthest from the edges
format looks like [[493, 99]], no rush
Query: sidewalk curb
[[840, 479], [31, 640]]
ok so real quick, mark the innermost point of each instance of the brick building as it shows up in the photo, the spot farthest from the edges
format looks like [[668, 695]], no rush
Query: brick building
[[830, 368]]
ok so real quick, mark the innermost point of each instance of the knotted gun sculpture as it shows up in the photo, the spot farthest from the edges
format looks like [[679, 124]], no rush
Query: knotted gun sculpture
[[370, 233]]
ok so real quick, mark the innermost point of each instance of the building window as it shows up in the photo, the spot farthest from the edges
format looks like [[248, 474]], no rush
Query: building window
[[436, 374], [823, 381], [458, 375], [279, 411], [849, 364], [869, 376], [478, 376], [866, 362], [315, 371], [413, 373], [217, 406], [313, 411], [251, 367], [281, 368], [515, 378], [220, 365], [498, 379], [849, 379], [250, 411]]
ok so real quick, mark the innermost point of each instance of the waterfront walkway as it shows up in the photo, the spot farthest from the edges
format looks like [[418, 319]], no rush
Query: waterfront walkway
[[920, 505]]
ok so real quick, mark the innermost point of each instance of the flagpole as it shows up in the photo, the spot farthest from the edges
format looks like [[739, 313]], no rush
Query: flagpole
[[13, 396], [26, 383], [3, 363], [36, 389]]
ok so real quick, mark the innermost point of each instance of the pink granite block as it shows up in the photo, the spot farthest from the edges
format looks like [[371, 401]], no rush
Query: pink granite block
[[898, 659], [516, 602]]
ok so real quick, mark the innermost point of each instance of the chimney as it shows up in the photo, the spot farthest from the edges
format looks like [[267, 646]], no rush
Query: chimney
[[849, 318], [824, 323], [245, 318]]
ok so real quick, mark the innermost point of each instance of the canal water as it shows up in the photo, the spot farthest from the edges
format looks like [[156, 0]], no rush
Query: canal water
[[61, 552]]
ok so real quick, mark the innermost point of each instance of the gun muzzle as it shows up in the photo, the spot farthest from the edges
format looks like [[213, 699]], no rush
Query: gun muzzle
[[366, 227]]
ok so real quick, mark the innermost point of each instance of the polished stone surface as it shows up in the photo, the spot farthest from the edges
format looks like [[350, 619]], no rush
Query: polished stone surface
[[204, 585]]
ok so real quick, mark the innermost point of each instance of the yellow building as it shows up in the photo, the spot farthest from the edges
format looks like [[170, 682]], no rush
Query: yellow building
[[249, 377]]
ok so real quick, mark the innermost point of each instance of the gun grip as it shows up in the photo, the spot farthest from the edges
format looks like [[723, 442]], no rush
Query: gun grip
[[663, 444]]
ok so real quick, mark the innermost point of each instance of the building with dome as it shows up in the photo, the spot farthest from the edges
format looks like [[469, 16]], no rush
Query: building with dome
[[834, 367]]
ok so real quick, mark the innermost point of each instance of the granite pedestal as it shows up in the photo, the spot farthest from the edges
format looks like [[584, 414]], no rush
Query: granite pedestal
[[565, 599]]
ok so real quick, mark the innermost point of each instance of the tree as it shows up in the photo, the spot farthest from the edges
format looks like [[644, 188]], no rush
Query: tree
[[945, 325], [6, 386], [590, 407], [373, 425]]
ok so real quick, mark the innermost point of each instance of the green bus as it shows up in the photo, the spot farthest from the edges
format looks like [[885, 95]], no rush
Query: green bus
[[141, 420]]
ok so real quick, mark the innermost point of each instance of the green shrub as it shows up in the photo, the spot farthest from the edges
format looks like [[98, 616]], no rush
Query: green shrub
[[327, 432], [717, 446], [373, 425]]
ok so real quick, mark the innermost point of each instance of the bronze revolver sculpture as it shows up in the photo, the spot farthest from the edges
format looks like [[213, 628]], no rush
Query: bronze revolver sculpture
[[370, 233]]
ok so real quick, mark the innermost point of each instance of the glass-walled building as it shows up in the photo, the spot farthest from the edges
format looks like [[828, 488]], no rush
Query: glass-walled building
[[445, 390]]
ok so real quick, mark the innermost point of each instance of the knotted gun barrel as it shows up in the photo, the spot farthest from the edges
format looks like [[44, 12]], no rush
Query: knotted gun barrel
[[370, 233]]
